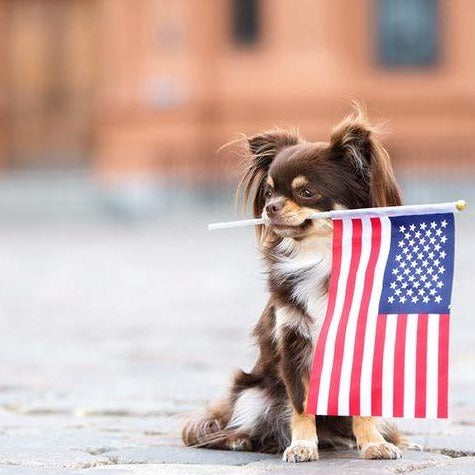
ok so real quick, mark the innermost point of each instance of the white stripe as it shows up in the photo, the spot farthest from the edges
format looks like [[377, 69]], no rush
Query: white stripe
[[349, 346], [390, 211], [410, 365], [373, 310], [388, 365], [322, 403], [432, 380]]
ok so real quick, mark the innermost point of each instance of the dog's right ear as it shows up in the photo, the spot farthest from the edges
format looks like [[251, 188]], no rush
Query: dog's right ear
[[263, 148]]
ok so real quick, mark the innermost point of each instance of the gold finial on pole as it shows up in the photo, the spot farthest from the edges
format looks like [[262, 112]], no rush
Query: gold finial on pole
[[461, 205]]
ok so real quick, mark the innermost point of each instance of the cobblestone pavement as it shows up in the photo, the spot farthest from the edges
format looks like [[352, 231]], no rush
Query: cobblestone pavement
[[112, 332]]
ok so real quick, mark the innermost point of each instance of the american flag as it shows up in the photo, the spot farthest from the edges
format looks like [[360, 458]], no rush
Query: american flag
[[383, 347]]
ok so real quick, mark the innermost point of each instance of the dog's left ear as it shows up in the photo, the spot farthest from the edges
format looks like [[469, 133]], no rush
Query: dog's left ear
[[355, 141], [263, 149]]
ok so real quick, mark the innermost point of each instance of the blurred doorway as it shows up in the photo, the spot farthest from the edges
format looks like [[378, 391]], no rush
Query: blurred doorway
[[51, 77]]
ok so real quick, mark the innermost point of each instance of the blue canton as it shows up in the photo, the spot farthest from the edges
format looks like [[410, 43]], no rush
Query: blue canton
[[419, 270]]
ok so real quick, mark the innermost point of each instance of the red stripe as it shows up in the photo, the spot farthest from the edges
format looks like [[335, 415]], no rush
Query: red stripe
[[421, 366], [377, 376], [316, 373], [355, 395], [341, 332], [442, 409], [399, 354]]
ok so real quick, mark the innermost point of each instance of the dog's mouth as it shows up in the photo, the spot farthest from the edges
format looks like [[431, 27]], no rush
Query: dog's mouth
[[307, 226], [283, 221], [284, 228]]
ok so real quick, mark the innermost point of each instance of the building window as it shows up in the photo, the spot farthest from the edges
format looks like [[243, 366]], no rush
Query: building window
[[246, 21], [407, 33]]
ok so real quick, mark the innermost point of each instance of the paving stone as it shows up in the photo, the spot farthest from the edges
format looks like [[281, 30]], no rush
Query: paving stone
[[113, 331], [330, 462], [456, 466], [50, 458], [446, 437], [177, 454], [35, 470]]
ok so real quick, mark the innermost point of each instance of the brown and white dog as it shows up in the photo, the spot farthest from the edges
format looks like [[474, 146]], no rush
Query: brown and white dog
[[287, 180]]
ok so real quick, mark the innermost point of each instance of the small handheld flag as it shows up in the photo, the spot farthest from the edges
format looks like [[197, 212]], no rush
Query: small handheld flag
[[383, 348], [340, 213]]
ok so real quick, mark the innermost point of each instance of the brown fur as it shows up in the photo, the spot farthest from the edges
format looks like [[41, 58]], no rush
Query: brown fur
[[286, 180]]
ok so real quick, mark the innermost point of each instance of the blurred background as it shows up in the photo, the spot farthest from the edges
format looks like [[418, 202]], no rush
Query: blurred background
[[114, 299], [123, 105]]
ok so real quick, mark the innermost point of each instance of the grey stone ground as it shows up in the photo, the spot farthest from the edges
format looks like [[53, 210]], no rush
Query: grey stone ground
[[113, 331]]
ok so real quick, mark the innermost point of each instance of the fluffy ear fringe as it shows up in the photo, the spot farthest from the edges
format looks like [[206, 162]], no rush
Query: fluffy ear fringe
[[262, 149], [352, 136], [356, 140]]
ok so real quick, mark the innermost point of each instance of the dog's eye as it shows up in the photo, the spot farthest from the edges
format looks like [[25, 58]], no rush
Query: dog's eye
[[306, 193], [268, 193]]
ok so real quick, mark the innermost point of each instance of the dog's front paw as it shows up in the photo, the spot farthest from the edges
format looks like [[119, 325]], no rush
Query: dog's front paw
[[379, 450], [301, 451]]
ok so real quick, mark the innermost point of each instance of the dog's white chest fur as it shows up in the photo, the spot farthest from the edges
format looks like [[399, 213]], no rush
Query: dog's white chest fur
[[309, 266]]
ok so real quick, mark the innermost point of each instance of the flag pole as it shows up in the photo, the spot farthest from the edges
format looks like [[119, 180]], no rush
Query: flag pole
[[454, 206]]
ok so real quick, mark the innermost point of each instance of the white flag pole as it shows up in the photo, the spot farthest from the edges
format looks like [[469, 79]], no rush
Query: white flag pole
[[345, 213]]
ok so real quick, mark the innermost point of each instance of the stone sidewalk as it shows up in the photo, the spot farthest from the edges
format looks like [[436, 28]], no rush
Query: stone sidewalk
[[112, 332]]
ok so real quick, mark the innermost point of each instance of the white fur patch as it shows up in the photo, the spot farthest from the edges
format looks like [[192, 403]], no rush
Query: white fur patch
[[289, 317], [250, 406], [312, 260]]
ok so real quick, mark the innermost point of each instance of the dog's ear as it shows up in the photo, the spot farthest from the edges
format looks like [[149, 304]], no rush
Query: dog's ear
[[355, 141], [263, 148]]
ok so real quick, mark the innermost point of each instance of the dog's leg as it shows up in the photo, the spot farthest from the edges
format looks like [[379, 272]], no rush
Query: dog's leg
[[370, 441], [304, 445], [295, 372]]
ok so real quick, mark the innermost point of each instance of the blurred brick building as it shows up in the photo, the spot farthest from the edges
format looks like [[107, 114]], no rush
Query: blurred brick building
[[156, 86]]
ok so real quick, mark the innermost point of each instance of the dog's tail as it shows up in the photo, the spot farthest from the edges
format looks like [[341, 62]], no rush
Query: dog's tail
[[209, 429], [393, 435]]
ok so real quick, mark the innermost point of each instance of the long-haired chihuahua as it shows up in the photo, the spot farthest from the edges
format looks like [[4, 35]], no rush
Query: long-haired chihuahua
[[287, 179]]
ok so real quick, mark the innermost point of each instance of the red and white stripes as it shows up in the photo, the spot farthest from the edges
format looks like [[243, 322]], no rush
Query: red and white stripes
[[367, 363]]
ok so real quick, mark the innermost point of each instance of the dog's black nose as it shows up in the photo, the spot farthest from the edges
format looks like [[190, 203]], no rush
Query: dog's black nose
[[273, 208]]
